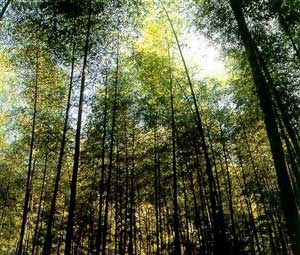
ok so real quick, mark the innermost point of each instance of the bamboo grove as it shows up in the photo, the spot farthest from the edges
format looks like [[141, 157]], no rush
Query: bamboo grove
[[113, 141]]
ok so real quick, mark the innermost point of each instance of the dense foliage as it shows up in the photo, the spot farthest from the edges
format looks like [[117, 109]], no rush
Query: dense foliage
[[113, 141]]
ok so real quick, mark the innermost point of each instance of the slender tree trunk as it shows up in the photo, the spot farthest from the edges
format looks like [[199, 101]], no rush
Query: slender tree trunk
[[279, 108], [156, 192], [118, 206], [40, 229], [35, 236], [287, 31], [132, 201], [294, 168], [127, 188], [197, 214], [263, 201], [48, 238], [60, 233], [177, 250], [203, 201], [249, 206], [159, 199], [101, 187], [4, 9], [188, 241], [221, 243], [3, 213], [189, 173], [29, 172], [110, 163], [230, 200], [216, 179], [71, 211], [89, 214], [288, 202]]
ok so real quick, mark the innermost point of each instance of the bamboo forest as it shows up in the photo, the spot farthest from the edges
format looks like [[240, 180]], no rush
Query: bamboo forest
[[149, 127]]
